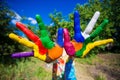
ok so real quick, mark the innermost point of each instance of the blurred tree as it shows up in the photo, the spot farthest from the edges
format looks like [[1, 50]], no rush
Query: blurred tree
[[115, 17], [7, 46], [57, 21], [56, 18]]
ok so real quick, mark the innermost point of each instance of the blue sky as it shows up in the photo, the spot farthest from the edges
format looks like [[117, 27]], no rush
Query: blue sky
[[30, 8]]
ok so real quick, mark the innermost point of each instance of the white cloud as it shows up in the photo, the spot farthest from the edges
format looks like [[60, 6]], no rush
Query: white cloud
[[14, 21], [32, 21], [18, 18], [51, 24], [15, 18]]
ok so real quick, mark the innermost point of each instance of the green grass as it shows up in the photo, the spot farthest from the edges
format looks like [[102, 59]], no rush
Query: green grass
[[100, 77], [88, 60], [31, 69]]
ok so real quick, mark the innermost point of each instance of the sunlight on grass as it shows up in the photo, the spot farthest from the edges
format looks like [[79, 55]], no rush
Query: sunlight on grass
[[100, 77], [31, 69], [87, 60]]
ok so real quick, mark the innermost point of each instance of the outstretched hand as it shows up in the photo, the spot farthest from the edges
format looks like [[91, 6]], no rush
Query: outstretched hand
[[43, 48], [82, 42]]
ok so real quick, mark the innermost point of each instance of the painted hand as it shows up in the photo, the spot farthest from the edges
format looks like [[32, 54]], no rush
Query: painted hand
[[82, 42], [43, 48]]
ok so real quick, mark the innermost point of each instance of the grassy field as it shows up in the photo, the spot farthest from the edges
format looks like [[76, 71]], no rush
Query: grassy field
[[31, 69], [100, 67]]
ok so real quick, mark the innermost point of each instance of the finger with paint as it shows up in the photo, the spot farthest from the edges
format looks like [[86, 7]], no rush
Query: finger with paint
[[76, 44], [54, 50], [43, 47], [91, 25], [77, 29], [67, 44], [89, 44]]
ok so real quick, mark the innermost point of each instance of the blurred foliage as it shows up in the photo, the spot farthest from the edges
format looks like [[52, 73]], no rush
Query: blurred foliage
[[115, 17], [108, 10], [7, 46], [59, 21]]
